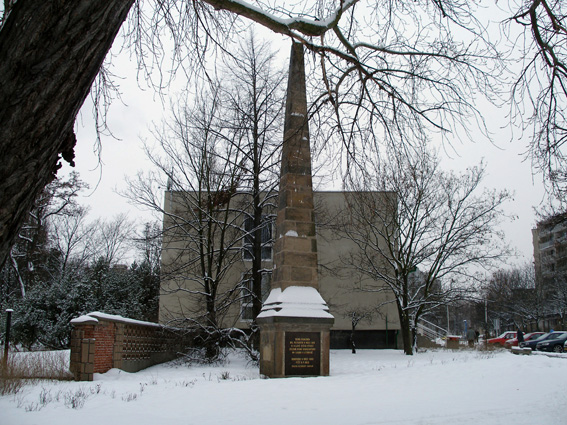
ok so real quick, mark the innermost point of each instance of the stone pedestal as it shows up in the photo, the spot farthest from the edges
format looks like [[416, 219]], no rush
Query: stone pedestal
[[294, 333], [294, 347], [295, 320]]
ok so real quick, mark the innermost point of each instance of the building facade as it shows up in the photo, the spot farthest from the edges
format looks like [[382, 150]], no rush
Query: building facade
[[550, 247], [550, 261], [184, 287]]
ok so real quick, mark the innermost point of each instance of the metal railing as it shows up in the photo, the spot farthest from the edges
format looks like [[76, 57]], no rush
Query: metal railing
[[430, 330]]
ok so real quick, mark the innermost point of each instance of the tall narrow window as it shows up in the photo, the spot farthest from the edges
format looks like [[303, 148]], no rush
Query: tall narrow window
[[247, 297], [266, 239]]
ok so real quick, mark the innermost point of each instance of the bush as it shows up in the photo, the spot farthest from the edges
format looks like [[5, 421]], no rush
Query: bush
[[28, 367], [44, 315]]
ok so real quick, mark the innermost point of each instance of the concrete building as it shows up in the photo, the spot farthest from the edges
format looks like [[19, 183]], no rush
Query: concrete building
[[181, 298], [550, 248], [550, 261]]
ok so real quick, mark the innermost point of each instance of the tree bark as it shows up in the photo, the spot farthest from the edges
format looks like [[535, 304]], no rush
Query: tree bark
[[406, 331], [50, 53]]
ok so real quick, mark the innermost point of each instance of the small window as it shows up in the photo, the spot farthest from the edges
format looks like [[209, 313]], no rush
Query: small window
[[246, 297], [266, 239]]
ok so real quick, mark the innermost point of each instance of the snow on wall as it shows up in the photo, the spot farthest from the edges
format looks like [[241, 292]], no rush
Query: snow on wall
[[94, 316]]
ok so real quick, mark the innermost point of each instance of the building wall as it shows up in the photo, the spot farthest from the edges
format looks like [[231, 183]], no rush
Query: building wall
[[340, 288], [550, 247], [337, 285]]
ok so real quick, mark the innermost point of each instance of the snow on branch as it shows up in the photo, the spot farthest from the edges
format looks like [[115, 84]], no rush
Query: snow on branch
[[307, 27]]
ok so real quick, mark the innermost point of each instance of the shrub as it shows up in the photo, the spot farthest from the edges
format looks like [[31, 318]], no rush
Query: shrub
[[28, 367]]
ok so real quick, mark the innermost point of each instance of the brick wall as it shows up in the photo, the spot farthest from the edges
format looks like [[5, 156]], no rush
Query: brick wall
[[100, 342]]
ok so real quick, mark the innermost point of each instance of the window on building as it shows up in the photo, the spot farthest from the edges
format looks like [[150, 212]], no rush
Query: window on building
[[545, 239], [266, 238], [246, 297]]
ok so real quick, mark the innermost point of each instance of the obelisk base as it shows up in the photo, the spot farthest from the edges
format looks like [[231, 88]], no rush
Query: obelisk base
[[294, 346]]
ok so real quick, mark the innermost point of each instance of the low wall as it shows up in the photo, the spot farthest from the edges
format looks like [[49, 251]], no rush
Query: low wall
[[100, 342]]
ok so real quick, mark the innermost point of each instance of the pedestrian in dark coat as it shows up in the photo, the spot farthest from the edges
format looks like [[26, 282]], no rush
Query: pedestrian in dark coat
[[471, 337]]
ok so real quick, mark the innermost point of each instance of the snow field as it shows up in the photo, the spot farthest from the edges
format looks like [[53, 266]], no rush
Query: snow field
[[370, 387]]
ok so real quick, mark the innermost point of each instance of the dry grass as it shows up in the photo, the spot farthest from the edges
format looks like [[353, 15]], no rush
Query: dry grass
[[23, 368], [490, 347]]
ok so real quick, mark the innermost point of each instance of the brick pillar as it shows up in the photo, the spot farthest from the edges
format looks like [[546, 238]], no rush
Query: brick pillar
[[82, 353], [75, 363], [83, 348]]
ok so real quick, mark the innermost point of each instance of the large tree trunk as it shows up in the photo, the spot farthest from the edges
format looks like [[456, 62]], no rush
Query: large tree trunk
[[50, 53], [406, 331]]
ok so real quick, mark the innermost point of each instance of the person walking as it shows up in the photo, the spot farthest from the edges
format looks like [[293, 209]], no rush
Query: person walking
[[471, 335], [520, 336]]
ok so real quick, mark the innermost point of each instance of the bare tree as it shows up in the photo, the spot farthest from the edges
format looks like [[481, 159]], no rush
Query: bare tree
[[71, 236], [372, 70], [540, 91], [406, 67], [113, 238], [424, 238], [255, 101], [356, 316], [149, 244], [513, 297], [242, 128], [557, 298], [56, 200], [373, 73], [201, 232]]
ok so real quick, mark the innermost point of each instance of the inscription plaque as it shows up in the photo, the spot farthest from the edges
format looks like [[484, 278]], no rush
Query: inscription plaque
[[302, 353]]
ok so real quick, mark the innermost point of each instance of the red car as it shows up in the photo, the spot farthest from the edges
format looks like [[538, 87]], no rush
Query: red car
[[514, 341], [502, 338]]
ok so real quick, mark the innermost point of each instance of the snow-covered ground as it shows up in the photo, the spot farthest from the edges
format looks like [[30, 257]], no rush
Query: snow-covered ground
[[370, 387]]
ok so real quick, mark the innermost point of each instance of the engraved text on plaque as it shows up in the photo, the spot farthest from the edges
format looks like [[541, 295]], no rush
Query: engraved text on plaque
[[302, 353]]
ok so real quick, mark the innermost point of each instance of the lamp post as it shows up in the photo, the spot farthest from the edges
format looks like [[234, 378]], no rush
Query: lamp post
[[7, 339]]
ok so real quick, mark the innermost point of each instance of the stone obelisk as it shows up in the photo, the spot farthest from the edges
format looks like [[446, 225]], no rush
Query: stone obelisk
[[295, 320]]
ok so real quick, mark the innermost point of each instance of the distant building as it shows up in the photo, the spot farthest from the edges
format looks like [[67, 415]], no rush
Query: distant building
[[338, 287], [550, 261], [550, 248]]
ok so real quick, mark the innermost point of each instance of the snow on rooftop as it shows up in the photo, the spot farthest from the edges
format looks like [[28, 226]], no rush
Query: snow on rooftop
[[295, 301]]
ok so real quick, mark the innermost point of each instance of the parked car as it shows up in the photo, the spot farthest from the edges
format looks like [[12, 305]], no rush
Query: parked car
[[502, 338], [554, 342], [514, 341], [533, 342]]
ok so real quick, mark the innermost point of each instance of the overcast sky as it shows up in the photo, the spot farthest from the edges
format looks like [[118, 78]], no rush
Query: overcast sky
[[131, 119]]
